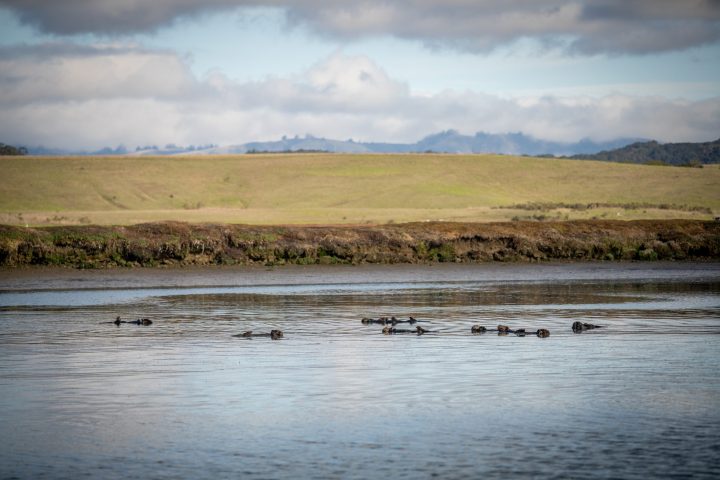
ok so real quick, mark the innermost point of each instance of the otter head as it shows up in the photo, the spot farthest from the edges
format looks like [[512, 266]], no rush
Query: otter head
[[543, 332]]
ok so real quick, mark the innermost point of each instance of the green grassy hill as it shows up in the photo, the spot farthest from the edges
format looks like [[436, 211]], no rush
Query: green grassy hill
[[326, 188]]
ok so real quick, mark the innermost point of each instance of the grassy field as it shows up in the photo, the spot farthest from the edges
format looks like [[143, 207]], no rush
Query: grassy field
[[345, 189]]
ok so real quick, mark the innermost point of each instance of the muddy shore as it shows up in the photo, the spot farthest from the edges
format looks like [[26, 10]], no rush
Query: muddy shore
[[174, 243]]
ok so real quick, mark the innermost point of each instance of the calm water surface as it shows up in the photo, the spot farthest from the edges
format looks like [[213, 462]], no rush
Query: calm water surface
[[182, 398]]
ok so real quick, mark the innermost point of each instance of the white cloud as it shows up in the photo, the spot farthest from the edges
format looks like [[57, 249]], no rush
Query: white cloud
[[85, 97]]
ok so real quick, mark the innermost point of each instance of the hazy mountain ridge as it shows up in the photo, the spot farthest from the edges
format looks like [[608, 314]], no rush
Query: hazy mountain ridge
[[449, 141]]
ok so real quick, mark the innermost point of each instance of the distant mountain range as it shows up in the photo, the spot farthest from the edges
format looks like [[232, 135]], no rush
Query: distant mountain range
[[626, 150], [661, 153], [450, 141]]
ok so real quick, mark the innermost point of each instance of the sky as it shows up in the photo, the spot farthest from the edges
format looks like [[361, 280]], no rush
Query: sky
[[85, 74]]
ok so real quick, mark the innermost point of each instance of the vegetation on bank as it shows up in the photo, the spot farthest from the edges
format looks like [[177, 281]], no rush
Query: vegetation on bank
[[173, 243], [316, 188]]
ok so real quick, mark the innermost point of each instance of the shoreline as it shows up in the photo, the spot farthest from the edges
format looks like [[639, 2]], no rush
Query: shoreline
[[171, 244]]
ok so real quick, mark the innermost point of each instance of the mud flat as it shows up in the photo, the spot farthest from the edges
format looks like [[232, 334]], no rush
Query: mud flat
[[175, 243]]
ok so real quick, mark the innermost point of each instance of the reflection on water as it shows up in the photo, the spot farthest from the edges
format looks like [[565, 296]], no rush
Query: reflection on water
[[638, 398]]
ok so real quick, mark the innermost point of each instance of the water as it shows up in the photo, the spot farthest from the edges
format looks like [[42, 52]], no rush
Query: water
[[182, 398]]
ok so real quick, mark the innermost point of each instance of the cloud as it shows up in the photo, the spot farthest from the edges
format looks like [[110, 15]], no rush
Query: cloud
[[65, 72], [88, 97], [585, 27]]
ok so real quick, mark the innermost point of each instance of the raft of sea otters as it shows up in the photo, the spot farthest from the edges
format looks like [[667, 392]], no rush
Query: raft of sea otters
[[389, 328]]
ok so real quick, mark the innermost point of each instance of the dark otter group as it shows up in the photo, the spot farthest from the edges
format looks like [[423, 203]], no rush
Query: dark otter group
[[139, 321], [386, 321], [390, 322], [505, 330], [392, 330], [274, 334]]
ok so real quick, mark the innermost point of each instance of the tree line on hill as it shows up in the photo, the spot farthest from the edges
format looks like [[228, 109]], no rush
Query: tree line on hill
[[11, 150], [654, 153]]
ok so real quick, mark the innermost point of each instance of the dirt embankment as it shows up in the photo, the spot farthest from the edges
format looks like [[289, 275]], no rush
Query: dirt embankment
[[172, 243]]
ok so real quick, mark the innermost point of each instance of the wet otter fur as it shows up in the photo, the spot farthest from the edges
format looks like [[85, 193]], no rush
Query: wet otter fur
[[503, 329], [578, 327], [542, 332], [274, 334], [139, 321], [386, 321], [520, 332], [478, 329], [392, 330]]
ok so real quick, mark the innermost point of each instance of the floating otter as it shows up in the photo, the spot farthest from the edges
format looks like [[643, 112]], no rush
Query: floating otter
[[274, 334], [478, 329], [379, 321], [520, 332], [392, 330], [395, 321], [139, 321], [580, 326], [503, 330], [386, 321], [542, 332]]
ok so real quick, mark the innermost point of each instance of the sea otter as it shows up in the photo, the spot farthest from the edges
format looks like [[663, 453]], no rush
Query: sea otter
[[139, 321], [395, 321], [580, 326], [542, 332], [503, 329], [386, 321], [392, 330], [274, 334], [478, 329]]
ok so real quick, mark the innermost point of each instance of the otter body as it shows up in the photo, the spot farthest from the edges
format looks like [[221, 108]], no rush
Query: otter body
[[274, 334], [392, 330], [580, 326], [139, 321], [386, 321], [505, 330]]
